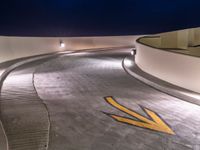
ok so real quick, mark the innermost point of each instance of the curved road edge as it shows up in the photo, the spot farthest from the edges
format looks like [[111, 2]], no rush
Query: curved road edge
[[132, 69]]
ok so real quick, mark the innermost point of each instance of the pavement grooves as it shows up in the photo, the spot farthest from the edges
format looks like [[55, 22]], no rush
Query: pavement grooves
[[24, 116]]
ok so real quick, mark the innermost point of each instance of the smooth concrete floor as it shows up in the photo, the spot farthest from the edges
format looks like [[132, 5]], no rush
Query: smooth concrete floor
[[58, 104]]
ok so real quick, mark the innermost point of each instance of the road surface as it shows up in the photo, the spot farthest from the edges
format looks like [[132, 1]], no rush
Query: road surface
[[60, 104]]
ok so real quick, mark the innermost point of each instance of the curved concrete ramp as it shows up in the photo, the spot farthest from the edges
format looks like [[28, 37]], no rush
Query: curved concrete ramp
[[73, 88]]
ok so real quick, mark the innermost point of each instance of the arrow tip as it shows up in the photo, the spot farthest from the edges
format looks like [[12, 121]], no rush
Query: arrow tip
[[159, 122]]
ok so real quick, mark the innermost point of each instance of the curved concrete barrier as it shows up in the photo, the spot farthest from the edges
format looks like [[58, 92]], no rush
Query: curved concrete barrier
[[18, 47], [175, 68]]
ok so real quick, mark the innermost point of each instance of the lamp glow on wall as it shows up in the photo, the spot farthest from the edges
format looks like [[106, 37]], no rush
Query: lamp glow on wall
[[62, 44]]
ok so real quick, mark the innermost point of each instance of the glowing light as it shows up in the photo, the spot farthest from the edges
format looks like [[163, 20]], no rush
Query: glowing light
[[62, 44], [133, 52], [128, 62]]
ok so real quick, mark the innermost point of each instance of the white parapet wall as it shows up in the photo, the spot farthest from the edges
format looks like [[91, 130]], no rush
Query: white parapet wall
[[178, 69], [18, 47]]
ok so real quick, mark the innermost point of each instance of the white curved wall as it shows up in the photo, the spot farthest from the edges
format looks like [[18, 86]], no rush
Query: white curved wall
[[17, 47], [178, 69]]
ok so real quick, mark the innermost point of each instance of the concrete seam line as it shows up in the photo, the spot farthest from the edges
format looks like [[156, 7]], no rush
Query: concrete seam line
[[3, 77], [12, 67], [4, 132], [37, 91], [46, 108], [160, 87], [49, 123], [7, 72]]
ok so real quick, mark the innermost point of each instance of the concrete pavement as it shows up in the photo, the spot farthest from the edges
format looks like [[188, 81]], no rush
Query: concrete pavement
[[74, 91], [71, 89]]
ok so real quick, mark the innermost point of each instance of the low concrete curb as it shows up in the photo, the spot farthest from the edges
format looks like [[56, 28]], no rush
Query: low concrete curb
[[131, 68]]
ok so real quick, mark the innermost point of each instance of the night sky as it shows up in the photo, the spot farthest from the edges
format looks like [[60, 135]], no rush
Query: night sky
[[96, 17]]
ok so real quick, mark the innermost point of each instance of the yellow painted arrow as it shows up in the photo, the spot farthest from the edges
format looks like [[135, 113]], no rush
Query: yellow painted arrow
[[156, 123]]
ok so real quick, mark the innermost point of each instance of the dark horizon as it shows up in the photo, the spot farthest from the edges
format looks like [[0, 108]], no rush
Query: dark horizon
[[96, 18]]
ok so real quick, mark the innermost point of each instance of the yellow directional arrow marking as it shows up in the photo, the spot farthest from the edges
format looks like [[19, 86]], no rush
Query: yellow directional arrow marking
[[156, 123]]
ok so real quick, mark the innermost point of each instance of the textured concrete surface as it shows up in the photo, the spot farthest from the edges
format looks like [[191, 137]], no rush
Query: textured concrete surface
[[3, 68], [24, 116], [73, 87]]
